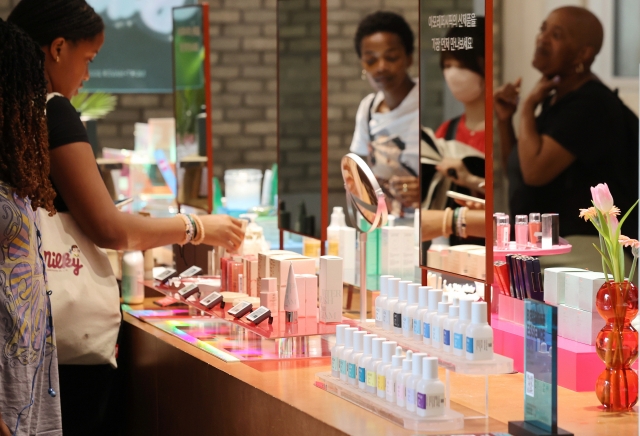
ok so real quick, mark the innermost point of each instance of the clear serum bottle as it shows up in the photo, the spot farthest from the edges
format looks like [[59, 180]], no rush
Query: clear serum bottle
[[430, 400], [410, 310], [337, 349], [352, 364], [460, 328], [479, 334]]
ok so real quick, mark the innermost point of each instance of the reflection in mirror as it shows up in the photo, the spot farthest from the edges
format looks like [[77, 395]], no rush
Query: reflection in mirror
[[452, 88], [299, 117], [190, 56], [560, 127], [363, 191]]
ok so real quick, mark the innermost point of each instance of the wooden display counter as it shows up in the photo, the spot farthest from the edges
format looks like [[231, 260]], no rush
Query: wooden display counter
[[173, 388]]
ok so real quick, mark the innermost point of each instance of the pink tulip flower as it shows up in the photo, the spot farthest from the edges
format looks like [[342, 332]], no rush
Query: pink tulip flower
[[602, 198]]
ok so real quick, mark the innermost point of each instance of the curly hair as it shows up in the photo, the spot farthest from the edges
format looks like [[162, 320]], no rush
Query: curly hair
[[46, 20], [470, 59], [382, 21], [24, 144]]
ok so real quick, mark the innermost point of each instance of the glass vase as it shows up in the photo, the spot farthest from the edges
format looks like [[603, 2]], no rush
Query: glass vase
[[617, 345]]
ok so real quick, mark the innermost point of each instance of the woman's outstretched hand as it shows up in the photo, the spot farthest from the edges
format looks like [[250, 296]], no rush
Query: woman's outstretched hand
[[223, 231]]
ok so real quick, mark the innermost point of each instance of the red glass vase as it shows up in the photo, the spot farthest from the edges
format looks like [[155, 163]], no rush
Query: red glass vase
[[617, 346]]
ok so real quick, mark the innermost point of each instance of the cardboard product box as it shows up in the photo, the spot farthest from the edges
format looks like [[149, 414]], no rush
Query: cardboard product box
[[476, 263], [250, 274], [263, 261], [576, 283], [458, 256], [279, 269], [330, 290], [554, 284], [310, 295], [579, 325]]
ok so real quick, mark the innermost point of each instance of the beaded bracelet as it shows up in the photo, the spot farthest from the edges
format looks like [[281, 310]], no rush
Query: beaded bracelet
[[200, 239], [188, 236], [196, 230], [444, 222]]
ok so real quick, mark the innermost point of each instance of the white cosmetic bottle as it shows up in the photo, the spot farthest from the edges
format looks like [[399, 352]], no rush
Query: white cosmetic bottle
[[437, 322], [346, 351], [392, 299], [352, 364], [416, 375], [479, 334], [430, 390], [447, 328], [381, 301], [364, 359], [460, 329], [337, 349], [434, 297], [392, 374], [388, 347], [410, 310], [400, 305], [376, 354], [423, 292], [402, 378]]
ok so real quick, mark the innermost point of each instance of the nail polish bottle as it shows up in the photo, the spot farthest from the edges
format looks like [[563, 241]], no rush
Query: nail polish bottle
[[535, 228], [503, 232], [416, 375], [430, 390], [402, 378], [352, 364], [392, 374], [336, 349], [522, 231], [364, 360], [479, 334]]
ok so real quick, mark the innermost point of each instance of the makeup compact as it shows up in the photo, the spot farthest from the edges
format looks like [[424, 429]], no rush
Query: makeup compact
[[240, 309], [212, 300], [190, 272], [165, 275], [259, 315], [189, 290]]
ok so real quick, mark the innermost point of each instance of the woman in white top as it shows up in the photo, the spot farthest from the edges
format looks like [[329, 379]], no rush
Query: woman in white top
[[387, 122]]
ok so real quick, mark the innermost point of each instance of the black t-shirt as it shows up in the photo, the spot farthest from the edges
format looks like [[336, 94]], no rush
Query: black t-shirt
[[595, 126], [65, 127]]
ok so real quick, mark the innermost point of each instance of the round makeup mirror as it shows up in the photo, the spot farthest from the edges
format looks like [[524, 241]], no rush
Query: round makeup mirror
[[365, 195]]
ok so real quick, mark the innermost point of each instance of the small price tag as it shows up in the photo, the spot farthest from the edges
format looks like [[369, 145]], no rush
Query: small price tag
[[165, 275], [259, 315], [190, 272], [211, 300], [240, 309], [188, 291]]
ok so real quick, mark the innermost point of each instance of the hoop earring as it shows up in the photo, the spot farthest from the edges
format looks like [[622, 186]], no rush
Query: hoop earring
[[580, 68], [363, 75]]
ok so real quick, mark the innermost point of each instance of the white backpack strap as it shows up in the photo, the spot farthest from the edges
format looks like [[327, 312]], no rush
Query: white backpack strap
[[53, 94]]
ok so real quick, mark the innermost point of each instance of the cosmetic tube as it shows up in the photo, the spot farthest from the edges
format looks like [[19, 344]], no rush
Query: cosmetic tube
[[522, 231], [460, 327], [416, 375], [447, 328], [402, 378], [423, 306], [410, 310], [392, 374], [430, 390], [434, 297], [388, 348], [336, 349], [503, 232], [479, 334], [381, 301], [346, 351], [535, 228], [364, 360], [392, 299], [352, 364], [376, 358]]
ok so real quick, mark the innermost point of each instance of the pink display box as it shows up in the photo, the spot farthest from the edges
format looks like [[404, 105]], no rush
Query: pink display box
[[511, 309]]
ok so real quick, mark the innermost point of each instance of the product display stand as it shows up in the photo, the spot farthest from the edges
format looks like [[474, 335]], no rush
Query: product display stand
[[451, 420], [523, 428], [562, 248]]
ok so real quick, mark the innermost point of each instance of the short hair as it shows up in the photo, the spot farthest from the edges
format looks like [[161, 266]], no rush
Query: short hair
[[383, 21], [470, 59], [46, 20], [24, 144]]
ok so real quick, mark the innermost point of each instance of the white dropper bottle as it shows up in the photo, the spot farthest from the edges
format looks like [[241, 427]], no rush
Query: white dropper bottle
[[352, 364], [392, 299], [479, 334], [402, 378], [460, 328], [376, 358], [423, 306], [430, 390], [333, 231], [416, 375], [392, 374], [337, 349], [400, 305], [381, 301], [435, 296], [388, 347], [346, 351], [364, 360], [437, 324], [447, 328], [410, 310]]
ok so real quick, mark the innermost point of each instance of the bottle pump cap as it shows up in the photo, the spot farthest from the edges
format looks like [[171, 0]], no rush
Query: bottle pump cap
[[357, 341], [392, 287], [435, 296], [465, 309], [443, 308], [402, 290], [416, 365], [340, 333], [376, 347], [388, 347], [412, 293], [348, 336], [430, 368], [423, 292], [479, 312], [337, 217], [396, 359], [384, 284], [406, 363], [367, 343], [454, 311]]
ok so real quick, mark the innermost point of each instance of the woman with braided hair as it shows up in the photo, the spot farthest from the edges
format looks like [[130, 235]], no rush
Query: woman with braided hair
[[70, 34], [28, 358]]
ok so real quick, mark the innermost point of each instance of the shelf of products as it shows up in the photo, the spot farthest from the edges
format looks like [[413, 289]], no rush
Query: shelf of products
[[459, 364], [450, 421]]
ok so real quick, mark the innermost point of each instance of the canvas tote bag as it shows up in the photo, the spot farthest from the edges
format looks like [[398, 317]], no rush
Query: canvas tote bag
[[85, 298]]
